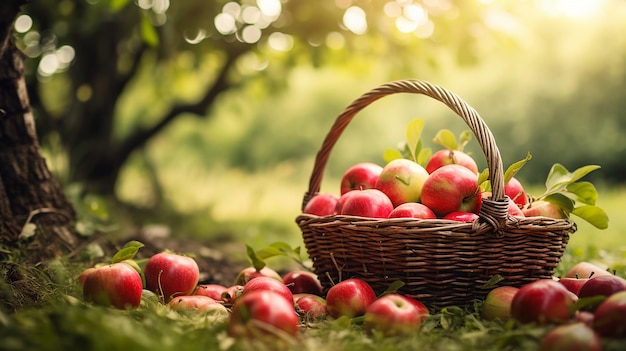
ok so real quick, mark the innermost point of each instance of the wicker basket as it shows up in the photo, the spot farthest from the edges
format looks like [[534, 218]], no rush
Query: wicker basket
[[441, 262]]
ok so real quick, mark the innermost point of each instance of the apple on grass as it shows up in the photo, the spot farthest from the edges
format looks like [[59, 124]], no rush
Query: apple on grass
[[571, 337], [573, 284], [118, 285], [395, 315], [350, 298], [497, 303], [604, 286], [609, 320], [310, 305], [447, 157], [213, 291], [268, 284], [371, 203], [412, 210], [262, 314], [586, 269], [196, 303], [452, 188], [402, 181], [361, 176], [249, 273], [300, 281], [324, 204], [543, 301], [170, 275]]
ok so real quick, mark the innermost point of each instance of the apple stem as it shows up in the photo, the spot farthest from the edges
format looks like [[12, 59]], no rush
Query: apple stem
[[160, 288], [591, 274]]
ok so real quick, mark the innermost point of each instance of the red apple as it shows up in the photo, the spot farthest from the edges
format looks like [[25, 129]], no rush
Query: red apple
[[447, 157], [213, 291], [585, 317], [458, 216], [515, 191], [371, 203], [452, 188], [605, 285], [249, 273], [263, 313], [169, 275], [573, 284], [324, 204], [303, 282], [571, 337], [349, 298], [544, 209], [268, 284], [497, 303], [543, 301], [342, 200], [232, 293], [196, 303], [586, 270], [402, 181], [609, 318], [361, 176], [395, 315], [412, 210], [118, 285], [310, 305]]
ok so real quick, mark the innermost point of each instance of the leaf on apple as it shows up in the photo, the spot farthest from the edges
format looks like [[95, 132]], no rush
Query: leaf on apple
[[128, 251]]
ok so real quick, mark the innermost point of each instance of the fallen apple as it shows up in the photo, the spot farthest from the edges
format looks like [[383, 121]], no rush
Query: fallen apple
[[300, 281], [605, 285], [213, 291], [118, 285], [350, 298], [586, 269], [497, 304], [249, 273], [543, 301], [395, 315], [571, 337], [311, 306], [196, 303], [268, 284], [170, 275], [261, 314], [609, 318]]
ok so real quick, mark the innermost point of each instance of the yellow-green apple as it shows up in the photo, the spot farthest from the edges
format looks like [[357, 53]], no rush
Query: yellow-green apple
[[170, 275], [360, 176], [609, 318], [586, 269], [459, 216], [571, 337], [543, 301], [450, 157], [371, 203], [452, 188], [412, 210], [249, 273], [515, 190], [605, 285], [311, 306], [402, 181], [497, 303], [350, 298], [395, 315], [118, 285], [268, 284], [213, 291], [262, 314], [544, 209], [300, 281], [196, 303], [324, 204]]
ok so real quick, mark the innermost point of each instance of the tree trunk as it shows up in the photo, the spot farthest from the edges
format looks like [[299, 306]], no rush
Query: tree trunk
[[28, 192]]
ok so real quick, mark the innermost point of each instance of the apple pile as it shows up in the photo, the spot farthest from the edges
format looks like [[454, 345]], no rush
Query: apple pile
[[416, 183], [586, 304], [260, 303]]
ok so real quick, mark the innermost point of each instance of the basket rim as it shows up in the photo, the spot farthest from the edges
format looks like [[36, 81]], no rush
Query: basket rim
[[493, 212]]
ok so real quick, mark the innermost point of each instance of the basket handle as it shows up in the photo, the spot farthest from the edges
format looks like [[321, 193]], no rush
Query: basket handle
[[493, 210]]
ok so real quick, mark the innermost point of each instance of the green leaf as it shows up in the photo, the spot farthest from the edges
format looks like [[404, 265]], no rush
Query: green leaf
[[512, 170], [493, 281], [564, 202], [446, 139], [483, 180], [127, 252], [584, 192], [464, 139], [593, 215], [583, 171], [414, 136], [148, 32], [394, 287], [391, 154], [255, 260], [96, 206], [557, 175], [424, 156]]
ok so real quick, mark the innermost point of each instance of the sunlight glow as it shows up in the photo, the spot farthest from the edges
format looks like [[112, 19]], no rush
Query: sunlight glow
[[355, 20], [576, 9], [23, 24]]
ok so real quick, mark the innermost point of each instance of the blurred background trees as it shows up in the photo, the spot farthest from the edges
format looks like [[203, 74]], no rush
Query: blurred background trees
[[218, 107]]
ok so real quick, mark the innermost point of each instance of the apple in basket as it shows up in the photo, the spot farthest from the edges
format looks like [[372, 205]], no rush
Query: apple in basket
[[402, 181], [412, 210], [452, 188], [324, 204], [447, 157], [361, 176], [515, 191], [371, 203], [544, 209]]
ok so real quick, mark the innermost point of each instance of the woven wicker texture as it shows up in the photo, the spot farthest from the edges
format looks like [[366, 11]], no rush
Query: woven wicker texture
[[441, 262]]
